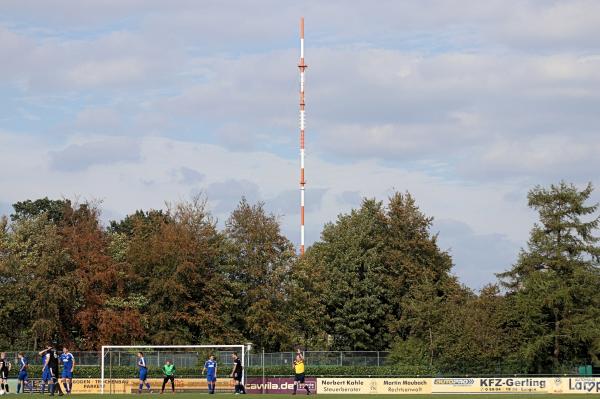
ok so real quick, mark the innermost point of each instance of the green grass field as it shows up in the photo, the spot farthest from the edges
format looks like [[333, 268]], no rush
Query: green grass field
[[287, 396]]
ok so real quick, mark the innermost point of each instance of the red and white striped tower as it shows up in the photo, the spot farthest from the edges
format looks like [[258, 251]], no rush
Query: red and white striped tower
[[302, 66]]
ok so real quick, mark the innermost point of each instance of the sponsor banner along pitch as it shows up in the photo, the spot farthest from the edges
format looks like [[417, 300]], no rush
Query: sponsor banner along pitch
[[397, 386], [373, 385], [130, 385], [458, 385], [277, 385]]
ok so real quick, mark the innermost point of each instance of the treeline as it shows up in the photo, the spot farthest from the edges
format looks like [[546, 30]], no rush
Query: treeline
[[376, 280]]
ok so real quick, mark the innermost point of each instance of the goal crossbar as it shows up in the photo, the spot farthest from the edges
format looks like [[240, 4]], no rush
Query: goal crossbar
[[105, 348]]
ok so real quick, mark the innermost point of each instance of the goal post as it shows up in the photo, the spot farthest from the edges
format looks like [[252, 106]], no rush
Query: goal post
[[190, 352]]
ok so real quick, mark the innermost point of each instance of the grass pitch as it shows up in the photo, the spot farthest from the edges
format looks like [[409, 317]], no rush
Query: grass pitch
[[345, 396]]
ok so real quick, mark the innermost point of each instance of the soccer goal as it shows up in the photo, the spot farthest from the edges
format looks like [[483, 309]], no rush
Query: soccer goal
[[119, 372]]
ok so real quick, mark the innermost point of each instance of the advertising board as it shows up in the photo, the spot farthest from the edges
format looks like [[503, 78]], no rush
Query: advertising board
[[373, 385], [580, 385], [396, 386], [277, 385], [130, 385]]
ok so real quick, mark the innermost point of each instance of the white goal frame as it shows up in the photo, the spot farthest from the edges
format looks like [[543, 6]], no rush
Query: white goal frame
[[105, 348]]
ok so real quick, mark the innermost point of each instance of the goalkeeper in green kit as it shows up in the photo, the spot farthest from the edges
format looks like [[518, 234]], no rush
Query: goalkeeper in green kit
[[169, 375]]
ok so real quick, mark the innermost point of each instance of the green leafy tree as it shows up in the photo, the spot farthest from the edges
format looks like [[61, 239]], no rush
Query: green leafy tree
[[39, 276], [306, 286], [259, 262], [387, 277], [554, 282], [53, 209], [350, 257], [417, 272]]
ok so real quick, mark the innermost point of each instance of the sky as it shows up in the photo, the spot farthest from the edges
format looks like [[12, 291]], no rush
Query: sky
[[465, 104]]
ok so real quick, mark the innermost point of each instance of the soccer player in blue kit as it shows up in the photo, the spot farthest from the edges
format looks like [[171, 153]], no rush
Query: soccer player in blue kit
[[143, 372], [68, 362], [210, 368], [22, 379], [46, 375]]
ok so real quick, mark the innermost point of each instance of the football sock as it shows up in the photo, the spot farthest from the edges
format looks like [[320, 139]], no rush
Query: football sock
[[6, 388], [43, 388], [19, 388], [148, 385], [295, 387], [306, 387], [141, 386]]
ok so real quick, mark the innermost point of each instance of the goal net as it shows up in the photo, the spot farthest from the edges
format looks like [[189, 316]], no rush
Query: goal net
[[120, 372]]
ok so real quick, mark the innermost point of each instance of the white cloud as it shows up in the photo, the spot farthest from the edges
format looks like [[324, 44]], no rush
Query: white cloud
[[111, 72], [547, 25], [97, 119], [546, 157], [78, 157], [477, 257]]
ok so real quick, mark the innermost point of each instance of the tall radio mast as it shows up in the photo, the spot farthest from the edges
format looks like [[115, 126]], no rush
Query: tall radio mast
[[302, 66]]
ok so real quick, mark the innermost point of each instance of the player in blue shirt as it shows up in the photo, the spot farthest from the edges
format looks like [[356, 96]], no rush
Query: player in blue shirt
[[46, 375], [210, 368], [143, 372], [68, 361], [22, 379]]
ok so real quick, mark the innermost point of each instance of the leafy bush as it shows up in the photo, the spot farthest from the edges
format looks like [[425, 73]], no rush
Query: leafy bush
[[316, 371]]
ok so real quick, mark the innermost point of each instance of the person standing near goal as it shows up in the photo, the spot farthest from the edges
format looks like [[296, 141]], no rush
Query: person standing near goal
[[169, 375], [141, 363], [68, 362], [46, 376], [236, 373], [52, 364], [210, 368], [5, 367], [298, 367], [23, 379]]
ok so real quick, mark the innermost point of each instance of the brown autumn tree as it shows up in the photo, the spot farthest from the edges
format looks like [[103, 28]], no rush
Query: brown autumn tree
[[106, 312], [177, 258]]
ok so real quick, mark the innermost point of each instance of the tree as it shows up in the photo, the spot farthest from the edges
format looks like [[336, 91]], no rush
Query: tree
[[259, 262], [387, 278], [306, 286], [53, 209], [554, 282], [177, 259], [417, 271], [38, 276], [355, 295], [107, 312]]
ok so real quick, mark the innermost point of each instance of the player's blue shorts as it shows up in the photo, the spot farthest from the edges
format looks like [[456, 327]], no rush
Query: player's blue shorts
[[46, 376], [22, 376], [143, 374], [67, 374], [211, 378]]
